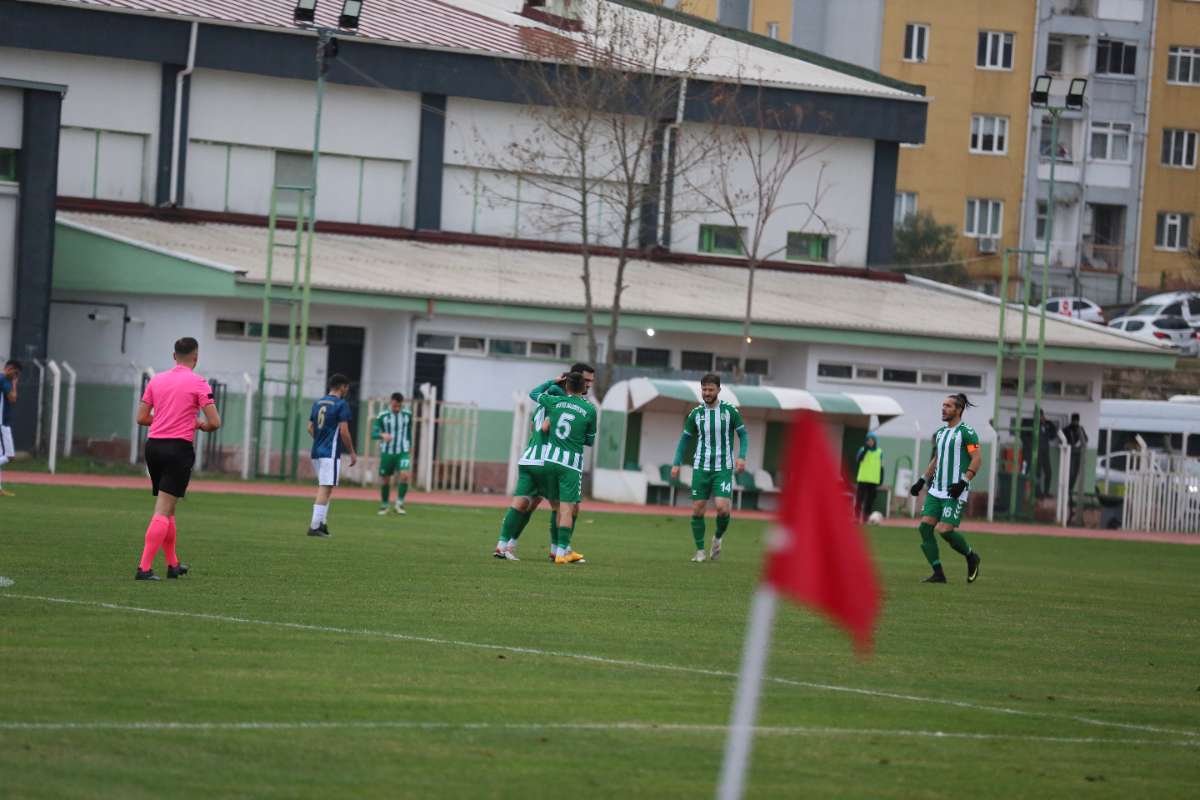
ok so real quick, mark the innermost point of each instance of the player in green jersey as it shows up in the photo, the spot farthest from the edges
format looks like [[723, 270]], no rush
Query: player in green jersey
[[570, 426], [529, 491], [955, 463], [712, 425], [393, 429]]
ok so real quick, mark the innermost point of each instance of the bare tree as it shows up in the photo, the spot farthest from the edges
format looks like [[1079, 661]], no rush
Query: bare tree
[[755, 153], [602, 107]]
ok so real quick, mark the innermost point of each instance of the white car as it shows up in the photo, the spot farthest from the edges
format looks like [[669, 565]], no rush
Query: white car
[[1169, 304], [1077, 307], [1173, 332]]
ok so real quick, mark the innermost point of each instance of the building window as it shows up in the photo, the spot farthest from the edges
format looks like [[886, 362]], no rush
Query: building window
[[623, 358], [471, 344], [841, 372], [507, 347], [1042, 219], [866, 373], [772, 30], [932, 378], [757, 366], [8, 164], [231, 327], [1110, 141], [544, 349], [994, 50], [1179, 148], [696, 362], [652, 357], [960, 380], [1055, 47], [807, 246], [1171, 230], [989, 134], [435, 341], [984, 218], [1046, 142], [906, 206], [916, 42], [899, 375], [1116, 58], [275, 331], [1183, 65], [723, 239]]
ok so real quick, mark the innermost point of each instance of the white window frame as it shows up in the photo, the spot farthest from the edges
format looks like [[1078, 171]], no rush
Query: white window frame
[[1170, 137], [1173, 222], [1041, 217], [1111, 131], [1124, 46], [979, 130], [773, 30], [993, 50], [904, 207], [1176, 54], [920, 44], [921, 382], [988, 210]]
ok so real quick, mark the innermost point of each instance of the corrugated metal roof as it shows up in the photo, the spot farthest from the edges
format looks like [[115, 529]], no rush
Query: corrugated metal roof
[[522, 277], [480, 26]]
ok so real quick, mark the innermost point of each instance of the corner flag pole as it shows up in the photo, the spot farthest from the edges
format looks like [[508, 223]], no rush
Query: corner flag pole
[[740, 738]]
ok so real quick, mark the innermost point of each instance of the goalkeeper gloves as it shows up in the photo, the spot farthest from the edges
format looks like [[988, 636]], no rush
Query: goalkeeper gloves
[[916, 488], [957, 489]]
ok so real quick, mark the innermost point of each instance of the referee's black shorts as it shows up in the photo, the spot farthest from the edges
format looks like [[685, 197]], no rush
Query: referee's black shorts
[[170, 463]]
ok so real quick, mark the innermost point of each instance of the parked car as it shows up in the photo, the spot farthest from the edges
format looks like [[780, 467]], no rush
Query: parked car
[[1174, 332], [1077, 307], [1169, 304]]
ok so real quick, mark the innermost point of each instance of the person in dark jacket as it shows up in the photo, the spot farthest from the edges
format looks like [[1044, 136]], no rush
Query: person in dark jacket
[[868, 465]]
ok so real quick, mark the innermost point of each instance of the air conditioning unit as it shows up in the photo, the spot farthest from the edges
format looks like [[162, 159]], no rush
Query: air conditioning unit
[[988, 245]]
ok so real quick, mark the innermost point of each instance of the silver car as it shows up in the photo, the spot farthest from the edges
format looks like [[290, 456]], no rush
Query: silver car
[[1173, 332]]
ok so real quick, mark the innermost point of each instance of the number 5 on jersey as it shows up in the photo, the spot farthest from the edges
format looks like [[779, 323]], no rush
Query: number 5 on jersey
[[563, 429]]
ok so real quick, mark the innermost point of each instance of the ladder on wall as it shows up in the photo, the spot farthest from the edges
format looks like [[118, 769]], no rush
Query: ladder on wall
[[279, 402]]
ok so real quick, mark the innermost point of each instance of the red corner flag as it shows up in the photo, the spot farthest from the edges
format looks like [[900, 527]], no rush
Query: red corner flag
[[817, 554]]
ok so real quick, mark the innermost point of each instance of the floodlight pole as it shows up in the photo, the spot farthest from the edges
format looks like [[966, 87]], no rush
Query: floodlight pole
[[1040, 362]]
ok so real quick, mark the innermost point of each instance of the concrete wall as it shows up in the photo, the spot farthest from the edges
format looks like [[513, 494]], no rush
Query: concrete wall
[[849, 30], [110, 118]]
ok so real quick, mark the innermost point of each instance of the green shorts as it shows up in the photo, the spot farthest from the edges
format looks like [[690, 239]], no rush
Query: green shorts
[[708, 483], [563, 484], [530, 481], [949, 511], [393, 462]]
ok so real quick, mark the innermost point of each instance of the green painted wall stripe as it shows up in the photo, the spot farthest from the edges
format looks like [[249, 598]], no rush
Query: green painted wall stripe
[[832, 403], [676, 390], [756, 397], [610, 440], [85, 261]]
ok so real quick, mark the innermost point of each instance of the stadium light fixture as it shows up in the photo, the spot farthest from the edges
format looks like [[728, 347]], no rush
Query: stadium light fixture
[[749, 340], [305, 11], [650, 332], [1075, 93], [1040, 96], [351, 10]]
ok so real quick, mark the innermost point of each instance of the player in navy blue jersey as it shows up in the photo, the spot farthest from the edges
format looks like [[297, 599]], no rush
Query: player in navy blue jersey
[[329, 426]]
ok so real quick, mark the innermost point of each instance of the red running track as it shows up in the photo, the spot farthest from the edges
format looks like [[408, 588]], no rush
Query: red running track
[[205, 485]]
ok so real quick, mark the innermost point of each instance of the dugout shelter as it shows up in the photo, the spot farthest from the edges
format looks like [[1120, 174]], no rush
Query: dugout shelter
[[641, 420]]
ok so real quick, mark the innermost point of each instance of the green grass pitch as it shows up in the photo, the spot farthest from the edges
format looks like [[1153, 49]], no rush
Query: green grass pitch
[[398, 659]]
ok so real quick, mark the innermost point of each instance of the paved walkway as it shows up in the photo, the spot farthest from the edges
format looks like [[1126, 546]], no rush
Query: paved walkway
[[205, 485]]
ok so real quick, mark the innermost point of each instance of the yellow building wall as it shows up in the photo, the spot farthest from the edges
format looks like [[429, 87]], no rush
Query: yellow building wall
[[1170, 188], [764, 11], [942, 172]]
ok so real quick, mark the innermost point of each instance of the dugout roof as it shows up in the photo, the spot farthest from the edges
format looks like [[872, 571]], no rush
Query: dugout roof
[[142, 254], [758, 402]]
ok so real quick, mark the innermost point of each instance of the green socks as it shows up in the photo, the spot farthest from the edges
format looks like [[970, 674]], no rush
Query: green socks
[[564, 536], [957, 541], [401, 491], [384, 491], [698, 531], [553, 531], [929, 545], [722, 524], [514, 522]]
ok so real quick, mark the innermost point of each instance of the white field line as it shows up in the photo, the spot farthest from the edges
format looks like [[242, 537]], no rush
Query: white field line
[[601, 727], [615, 662]]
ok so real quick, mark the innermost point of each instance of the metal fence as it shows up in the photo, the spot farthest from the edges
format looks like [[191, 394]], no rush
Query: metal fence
[[1162, 492]]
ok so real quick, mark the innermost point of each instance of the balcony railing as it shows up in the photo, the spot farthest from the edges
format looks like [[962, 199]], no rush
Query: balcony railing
[[1103, 257], [1072, 8]]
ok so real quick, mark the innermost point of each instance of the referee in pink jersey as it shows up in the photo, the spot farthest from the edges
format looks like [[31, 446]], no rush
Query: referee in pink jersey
[[169, 406]]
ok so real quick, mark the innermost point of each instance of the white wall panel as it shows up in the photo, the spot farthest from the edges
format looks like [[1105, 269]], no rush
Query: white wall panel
[[8, 260], [205, 179], [271, 112], [251, 176], [12, 107], [76, 162], [384, 186], [119, 169], [337, 188]]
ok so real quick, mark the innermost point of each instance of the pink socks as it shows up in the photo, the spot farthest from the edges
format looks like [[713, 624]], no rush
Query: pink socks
[[169, 544], [156, 534]]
